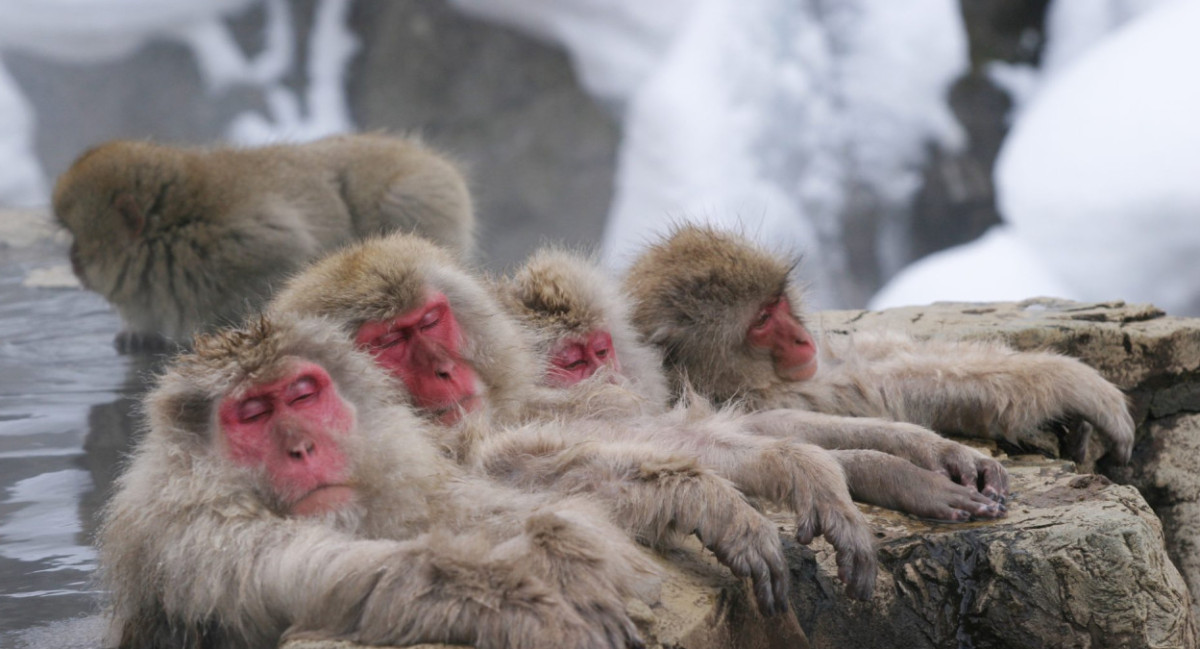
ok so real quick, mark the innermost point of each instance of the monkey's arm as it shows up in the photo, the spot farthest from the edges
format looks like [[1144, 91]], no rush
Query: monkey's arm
[[918, 445], [437, 587], [976, 389], [802, 478], [651, 493], [888, 481]]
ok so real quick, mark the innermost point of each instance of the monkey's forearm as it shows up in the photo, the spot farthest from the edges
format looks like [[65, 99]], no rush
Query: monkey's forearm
[[888, 481], [835, 432], [983, 390]]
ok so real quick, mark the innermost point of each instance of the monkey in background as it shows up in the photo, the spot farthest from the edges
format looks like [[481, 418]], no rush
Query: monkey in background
[[468, 367], [180, 240], [283, 491], [728, 322], [583, 331]]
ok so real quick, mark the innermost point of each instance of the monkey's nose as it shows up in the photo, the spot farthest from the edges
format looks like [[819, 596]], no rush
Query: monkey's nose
[[443, 369], [303, 450]]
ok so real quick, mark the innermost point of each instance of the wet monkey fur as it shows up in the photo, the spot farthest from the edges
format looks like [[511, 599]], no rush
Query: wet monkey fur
[[728, 321], [283, 491], [468, 367], [582, 327], [179, 240]]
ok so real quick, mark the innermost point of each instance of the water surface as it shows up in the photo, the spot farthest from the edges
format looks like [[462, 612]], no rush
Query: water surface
[[66, 418]]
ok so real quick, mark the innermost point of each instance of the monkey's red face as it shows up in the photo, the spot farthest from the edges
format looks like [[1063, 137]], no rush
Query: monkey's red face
[[422, 348], [792, 348], [293, 428], [576, 359]]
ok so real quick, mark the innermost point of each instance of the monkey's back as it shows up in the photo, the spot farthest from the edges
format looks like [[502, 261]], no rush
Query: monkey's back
[[393, 183]]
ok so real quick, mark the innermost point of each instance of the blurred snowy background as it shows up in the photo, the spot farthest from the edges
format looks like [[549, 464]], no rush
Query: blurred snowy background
[[910, 151]]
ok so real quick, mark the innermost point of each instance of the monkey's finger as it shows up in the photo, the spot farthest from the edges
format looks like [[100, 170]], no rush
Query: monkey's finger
[[964, 473], [1120, 433], [993, 479], [980, 506], [807, 529], [763, 591], [855, 548], [781, 583]]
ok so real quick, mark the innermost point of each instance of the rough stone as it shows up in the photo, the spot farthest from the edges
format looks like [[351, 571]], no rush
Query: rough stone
[[1153, 357], [1078, 562]]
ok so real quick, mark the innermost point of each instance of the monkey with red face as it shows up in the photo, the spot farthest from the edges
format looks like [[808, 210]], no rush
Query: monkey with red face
[[727, 320], [282, 490], [469, 367], [582, 326]]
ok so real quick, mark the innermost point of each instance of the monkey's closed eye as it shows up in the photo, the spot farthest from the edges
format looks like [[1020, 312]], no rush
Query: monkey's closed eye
[[252, 410], [431, 319], [302, 389], [389, 339]]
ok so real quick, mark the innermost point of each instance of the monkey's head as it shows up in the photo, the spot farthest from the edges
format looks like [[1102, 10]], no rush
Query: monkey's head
[[723, 311], [111, 199], [423, 318], [278, 402], [580, 322]]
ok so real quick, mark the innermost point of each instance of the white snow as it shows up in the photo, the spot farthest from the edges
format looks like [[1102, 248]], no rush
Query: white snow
[[614, 45], [767, 119], [995, 267], [324, 110], [88, 31], [1097, 180], [1101, 175], [22, 182]]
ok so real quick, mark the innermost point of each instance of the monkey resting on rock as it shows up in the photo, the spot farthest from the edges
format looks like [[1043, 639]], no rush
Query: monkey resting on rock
[[282, 491], [180, 240], [583, 332], [468, 367], [727, 319]]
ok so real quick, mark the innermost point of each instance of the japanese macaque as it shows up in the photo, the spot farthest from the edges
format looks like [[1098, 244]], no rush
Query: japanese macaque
[[468, 366], [582, 328], [180, 240], [728, 321], [283, 491]]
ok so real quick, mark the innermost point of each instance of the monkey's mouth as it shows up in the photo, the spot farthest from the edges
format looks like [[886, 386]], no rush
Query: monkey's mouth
[[323, 499], [799, 371], [451, 414]]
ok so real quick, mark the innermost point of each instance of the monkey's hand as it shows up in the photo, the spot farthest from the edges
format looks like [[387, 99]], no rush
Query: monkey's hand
[[591, 578], [748, 543], [1083, 394], [893, 482], [968, 467], [819, 496]]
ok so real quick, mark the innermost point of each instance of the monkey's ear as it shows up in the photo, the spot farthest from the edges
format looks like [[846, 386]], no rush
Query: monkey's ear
[[131, 214]]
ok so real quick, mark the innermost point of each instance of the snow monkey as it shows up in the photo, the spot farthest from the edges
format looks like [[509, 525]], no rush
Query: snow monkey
[[179, 240], [282, 490], [728, 320], [582, 326], [468, 366]]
